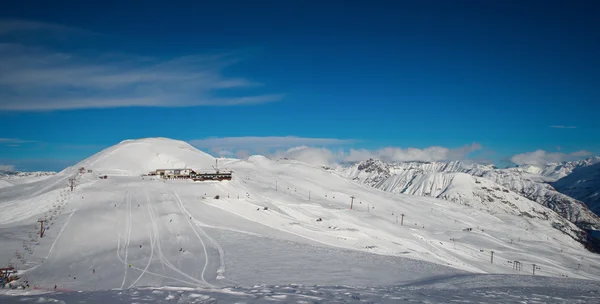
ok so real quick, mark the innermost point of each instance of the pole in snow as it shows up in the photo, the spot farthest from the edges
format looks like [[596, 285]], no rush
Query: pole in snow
[[402, 220], [492, 257], [533, 268], [41, 228], [351, 202]]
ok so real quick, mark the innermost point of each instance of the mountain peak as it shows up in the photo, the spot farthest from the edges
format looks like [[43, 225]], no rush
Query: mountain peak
[[139, 156]]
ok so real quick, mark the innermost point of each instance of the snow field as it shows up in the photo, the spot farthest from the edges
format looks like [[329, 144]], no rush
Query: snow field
[[188, 238]]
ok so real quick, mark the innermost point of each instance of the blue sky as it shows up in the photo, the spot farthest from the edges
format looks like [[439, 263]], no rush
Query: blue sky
[[343, 80]]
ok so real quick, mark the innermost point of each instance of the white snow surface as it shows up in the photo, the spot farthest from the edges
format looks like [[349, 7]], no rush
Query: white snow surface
[[448, 289], [583, 184], [557, 171], [136, 157], [10, 178], [128, 231], [451, 181]]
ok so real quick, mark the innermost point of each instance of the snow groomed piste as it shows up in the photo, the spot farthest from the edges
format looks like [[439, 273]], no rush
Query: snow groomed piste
[[129, 232]]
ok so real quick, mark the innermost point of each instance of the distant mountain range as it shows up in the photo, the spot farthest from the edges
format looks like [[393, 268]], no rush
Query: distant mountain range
[[582, 184], [18, 174], [563, 187], [10, 178]]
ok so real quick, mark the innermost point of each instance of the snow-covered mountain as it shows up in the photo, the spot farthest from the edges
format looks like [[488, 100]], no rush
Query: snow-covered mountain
[[19, 175], [583, 184], [555, 171], [135, 157], [10, 178], [275, 223], [475, 184]]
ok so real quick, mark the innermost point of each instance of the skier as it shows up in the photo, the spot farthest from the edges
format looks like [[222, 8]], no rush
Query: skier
[[140, 245], [94, 270], [54, 286]]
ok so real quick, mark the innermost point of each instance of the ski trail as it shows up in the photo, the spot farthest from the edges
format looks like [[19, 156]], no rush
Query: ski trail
[[32, 269], [221, 269], [59, 233], [150, 272], [271, 226], [152, 241], [187, 216], [128, 239], [164, 261]]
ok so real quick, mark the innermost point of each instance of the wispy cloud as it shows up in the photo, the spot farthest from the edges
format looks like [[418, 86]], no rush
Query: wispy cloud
[[80, 147], [541, 157], [40, 78], [563, 127], [396, 154], [14, 141], [266, 142], [325, 151], [325, 156], [20, 27]]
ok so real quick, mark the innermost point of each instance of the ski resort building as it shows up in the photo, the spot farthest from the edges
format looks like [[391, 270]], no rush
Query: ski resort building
[[215, 175], [173, 173]]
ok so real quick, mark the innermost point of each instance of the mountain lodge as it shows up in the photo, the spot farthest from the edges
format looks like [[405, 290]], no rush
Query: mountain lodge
[[186, 173]]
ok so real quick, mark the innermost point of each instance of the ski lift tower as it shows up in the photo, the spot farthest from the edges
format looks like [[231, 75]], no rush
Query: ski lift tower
[[216, 166], [41, 221]]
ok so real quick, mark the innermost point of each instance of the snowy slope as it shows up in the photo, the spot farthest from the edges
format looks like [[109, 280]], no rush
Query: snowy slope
[[135, 157], [583, 184], [538, 189], [5, 183], [556, 171], [130, 231], [462, 289], [521, 184]]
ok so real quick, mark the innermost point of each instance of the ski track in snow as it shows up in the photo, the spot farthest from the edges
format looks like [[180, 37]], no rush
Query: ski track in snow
[[187, 218], [152, 238], [156, 247], [127, 233], [59, 234], [163, 260]]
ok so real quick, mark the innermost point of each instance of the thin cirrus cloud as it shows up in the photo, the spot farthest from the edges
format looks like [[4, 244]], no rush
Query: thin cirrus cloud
[[267, 142], [14, 141], [42, 78], [541, 157], [563, 127], [17, 27]]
